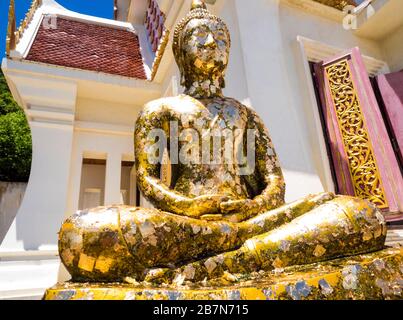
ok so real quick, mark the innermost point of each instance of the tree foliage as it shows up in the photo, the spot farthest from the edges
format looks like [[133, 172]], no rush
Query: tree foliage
[[15, 138]]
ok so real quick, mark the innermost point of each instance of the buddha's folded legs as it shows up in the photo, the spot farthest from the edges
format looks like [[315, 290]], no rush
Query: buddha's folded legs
[[340, 227], [111, 243]]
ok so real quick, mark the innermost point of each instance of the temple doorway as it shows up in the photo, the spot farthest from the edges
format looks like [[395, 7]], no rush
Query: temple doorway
[[128, 192], [362, 130], [92, 187]]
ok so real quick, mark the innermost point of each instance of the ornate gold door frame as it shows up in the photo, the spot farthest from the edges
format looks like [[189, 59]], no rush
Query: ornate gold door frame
[[361, 151]]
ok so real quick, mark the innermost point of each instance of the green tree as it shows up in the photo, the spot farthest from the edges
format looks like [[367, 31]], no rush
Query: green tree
[[15, 138]]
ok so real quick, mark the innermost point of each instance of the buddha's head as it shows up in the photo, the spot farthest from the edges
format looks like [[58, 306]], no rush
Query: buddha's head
[[201, 48]]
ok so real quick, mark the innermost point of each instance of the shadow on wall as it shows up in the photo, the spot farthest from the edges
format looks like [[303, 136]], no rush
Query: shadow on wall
[[11, 195], [395, 81], [15, 157]]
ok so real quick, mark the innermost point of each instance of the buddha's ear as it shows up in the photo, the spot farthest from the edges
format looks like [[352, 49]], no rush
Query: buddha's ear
[[222, 81], [183, 78], [181, 66]]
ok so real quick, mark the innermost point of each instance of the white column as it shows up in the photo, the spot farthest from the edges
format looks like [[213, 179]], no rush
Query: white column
[[274, 91], [51, 121], [42, 210], [112, 179], [75, 178]]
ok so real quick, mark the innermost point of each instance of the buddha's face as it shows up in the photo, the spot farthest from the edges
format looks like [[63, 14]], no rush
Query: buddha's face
[[205, 47]]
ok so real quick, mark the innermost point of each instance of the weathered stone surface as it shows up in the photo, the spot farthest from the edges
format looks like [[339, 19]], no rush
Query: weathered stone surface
[[377, 275]]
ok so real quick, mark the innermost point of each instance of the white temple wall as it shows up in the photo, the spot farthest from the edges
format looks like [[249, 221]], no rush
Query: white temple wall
[[102, 111], [114, 148], [294, 23], [49, 105], [392, 47], [128, 185], [171, 85], [103, 130], [277, 87], [236, 84], [92, 185], [11, 195], [72, 114], [41, 213]]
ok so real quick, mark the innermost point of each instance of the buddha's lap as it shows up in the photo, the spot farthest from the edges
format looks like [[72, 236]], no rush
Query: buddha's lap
[[108, 240]]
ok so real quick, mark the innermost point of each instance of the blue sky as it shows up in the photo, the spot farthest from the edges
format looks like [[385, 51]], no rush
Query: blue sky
[[99, 8]]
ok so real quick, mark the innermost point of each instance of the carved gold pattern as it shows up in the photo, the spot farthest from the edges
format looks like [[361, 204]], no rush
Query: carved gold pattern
[[362, 163], [28, 17], [160, 52], [10, 40]]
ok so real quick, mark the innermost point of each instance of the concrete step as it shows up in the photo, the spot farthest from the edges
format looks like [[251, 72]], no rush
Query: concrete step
[[26, 275], [394, 235]]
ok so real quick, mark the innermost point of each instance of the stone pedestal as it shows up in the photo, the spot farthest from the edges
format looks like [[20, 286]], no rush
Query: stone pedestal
[[377, 275]]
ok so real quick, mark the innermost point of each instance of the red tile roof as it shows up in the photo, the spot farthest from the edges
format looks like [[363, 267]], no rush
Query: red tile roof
[[88, 46]]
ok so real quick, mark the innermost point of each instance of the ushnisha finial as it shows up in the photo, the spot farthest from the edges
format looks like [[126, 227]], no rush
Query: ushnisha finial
[[198, 4]]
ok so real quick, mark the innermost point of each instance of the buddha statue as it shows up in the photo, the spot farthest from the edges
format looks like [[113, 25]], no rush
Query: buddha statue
[[222, 211]]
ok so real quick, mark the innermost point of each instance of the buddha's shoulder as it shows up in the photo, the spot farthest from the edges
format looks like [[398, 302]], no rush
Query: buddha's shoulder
[[177, 104], [239, 105]]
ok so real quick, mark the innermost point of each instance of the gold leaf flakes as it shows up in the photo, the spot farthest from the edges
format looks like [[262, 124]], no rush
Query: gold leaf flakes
[[152, 240], [196, 229], [229, 277], [378, 231], [189, 272], [367, 235], [103, 264], [277, 263], [210, 265], [86, 262], [67, 257], [285, 245], [147, 229], [207, 230], [319, 251]]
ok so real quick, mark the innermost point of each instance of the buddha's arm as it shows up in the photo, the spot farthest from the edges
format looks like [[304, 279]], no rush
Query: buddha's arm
[[268, 169], [148, 170], [267, 172]]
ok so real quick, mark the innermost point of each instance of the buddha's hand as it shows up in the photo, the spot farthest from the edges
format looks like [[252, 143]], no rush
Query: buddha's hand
[[160, 276], [233, 206], [238, 210], [204, 205]]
